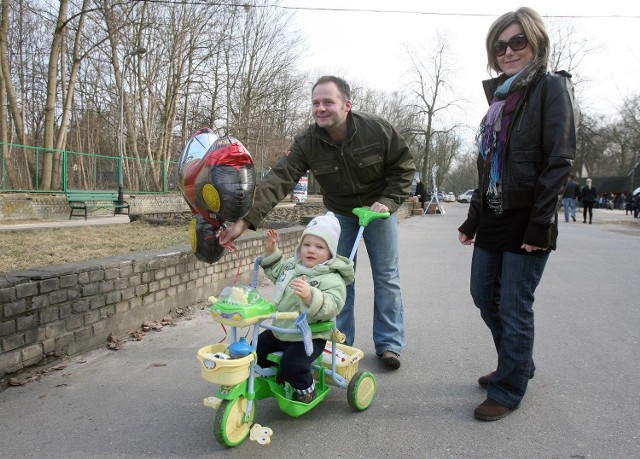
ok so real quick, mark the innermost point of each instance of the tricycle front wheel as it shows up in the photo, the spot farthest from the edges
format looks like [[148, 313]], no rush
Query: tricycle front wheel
[[361, 390], [229, 426]]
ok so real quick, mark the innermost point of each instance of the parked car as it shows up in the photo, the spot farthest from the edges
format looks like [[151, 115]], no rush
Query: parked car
[[449, 197], [466, 196], [441, 196]]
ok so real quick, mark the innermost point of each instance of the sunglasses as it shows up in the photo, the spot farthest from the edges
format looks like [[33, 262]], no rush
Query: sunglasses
[[516, 43]]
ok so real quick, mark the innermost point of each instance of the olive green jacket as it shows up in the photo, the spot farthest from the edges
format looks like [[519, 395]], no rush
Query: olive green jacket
[[328, 282], [373, 164]]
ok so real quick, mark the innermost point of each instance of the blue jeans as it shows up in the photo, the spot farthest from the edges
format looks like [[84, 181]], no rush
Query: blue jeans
[[381, 240], [569, 203], [502, 287]]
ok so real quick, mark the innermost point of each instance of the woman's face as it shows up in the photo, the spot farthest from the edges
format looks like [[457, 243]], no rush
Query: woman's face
[[511, 62]]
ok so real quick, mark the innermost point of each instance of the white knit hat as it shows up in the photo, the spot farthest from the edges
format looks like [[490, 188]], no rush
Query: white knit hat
[[326, 227]]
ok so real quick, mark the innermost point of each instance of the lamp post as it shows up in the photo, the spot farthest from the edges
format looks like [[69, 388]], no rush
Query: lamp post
[[136, 52]]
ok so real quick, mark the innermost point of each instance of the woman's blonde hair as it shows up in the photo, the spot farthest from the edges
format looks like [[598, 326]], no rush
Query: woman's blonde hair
[[533, 28]]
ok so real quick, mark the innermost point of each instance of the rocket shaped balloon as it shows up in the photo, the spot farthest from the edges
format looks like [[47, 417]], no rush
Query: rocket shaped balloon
[[217, 179]]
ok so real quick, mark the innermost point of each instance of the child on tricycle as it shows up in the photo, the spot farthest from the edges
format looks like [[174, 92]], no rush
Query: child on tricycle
[[310, 290], [313, 281]]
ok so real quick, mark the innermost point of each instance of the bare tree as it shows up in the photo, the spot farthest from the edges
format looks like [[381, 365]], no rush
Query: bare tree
[[432, 98], [57, 86]]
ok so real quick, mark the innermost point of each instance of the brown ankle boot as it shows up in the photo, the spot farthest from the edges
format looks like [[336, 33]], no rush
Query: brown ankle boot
[[490, 410], [484, 380]]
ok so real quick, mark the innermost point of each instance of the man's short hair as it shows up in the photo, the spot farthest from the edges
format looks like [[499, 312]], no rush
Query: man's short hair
[[342, 85]]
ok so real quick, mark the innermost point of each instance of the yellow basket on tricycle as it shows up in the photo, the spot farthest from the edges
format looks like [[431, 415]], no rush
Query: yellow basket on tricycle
[[218, 369], [347, 359]]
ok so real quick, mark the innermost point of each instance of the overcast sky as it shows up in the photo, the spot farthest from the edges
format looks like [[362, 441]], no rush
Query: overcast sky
[[369, 48]]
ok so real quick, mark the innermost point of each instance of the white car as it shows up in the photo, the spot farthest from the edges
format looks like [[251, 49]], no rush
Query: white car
[[449, 197], [466, 196]]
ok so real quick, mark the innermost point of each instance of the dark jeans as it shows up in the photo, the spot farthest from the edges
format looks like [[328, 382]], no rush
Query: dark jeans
[[295, 365], [588, 206], [502, 287]]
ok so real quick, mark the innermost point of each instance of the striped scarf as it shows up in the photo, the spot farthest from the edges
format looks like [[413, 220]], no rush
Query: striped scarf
[[492, 136]]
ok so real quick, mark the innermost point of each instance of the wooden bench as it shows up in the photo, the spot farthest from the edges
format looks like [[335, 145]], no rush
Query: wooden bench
[[93, 199]]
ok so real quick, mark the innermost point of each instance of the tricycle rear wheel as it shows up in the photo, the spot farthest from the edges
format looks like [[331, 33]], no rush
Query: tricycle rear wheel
[[361, 390], [229, 427]]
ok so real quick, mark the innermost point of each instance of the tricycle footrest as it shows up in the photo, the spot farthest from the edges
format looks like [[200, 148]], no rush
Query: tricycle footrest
[[212, 402]]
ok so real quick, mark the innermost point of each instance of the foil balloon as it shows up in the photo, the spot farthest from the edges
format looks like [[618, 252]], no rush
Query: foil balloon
[[217, 179]]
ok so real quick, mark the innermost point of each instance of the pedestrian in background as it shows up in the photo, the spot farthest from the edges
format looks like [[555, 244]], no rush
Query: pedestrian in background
[[628, 204], [527, 143], [588, 196], [420, 193], [569, 198]]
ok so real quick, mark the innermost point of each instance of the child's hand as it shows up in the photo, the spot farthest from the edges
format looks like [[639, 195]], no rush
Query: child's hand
[[302, 289], [272, 241]]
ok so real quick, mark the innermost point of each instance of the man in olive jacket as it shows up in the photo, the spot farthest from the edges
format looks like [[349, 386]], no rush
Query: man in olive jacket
[[359, 160]]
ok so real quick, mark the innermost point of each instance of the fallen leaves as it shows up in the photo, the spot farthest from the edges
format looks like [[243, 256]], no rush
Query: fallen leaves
[[115, 342], [21, 381]]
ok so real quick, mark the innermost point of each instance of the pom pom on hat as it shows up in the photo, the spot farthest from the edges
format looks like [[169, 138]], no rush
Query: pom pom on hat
[[326, 227]]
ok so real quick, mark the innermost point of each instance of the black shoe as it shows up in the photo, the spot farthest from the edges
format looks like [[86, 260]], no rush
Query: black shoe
[[304, 398], [574, 218]]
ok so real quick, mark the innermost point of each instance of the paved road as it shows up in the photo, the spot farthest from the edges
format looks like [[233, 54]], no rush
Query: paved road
[[146, 399]]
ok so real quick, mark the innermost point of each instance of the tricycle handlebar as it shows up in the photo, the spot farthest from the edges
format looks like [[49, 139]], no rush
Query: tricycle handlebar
[[286, 315]]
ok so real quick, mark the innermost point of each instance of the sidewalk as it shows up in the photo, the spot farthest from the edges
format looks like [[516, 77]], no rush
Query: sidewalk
[[145, 400]]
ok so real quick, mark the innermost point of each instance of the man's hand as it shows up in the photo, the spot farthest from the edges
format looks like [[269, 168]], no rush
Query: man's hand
[[233, 232], [378, 207], [271, 243]]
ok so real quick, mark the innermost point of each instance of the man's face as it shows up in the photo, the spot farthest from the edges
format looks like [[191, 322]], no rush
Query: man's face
[[328, 107]]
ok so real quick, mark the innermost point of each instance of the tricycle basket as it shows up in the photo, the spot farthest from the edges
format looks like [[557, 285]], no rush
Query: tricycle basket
[[222, 371], [347, 359]]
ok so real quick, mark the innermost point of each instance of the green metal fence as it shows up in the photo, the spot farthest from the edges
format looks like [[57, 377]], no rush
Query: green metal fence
[[22, 169]]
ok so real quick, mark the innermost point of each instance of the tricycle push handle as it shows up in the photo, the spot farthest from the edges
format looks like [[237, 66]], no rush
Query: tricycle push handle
[[366, 215]]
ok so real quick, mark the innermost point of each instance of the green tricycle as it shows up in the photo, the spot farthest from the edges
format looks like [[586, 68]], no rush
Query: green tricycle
[[232, 365]]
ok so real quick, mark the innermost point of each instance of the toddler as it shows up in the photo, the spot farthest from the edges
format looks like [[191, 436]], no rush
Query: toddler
[[314, 280]]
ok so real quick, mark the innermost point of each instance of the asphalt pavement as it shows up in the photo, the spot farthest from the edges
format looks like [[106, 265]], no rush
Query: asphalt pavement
[[145, 400]]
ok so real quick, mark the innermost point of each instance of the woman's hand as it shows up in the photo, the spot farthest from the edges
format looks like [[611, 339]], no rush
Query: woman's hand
[[301, 288], [531, 248], [271, 243], [464, 239]]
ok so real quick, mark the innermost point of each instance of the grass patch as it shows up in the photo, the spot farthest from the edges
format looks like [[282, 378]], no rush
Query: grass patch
[[26, 249]]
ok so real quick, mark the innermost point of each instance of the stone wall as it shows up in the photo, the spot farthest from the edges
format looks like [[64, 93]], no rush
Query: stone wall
[[37, 206], [62, 310]]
